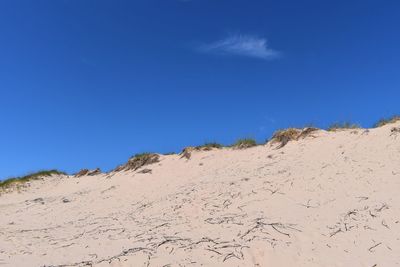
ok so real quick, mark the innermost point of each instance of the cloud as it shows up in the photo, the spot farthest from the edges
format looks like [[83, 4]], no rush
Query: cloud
[[242, 45]]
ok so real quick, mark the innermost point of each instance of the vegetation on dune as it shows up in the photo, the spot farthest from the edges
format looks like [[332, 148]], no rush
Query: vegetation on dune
[[30, 177], [343, 125], [244, 143], [307, 131], [384, 121], [209, 146], [87, 172], [139, 160], [286, 135], [169, 153], [290, 133], [187, 151], [142, 155]]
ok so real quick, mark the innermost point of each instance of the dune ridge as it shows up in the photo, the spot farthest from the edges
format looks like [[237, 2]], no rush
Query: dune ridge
[[315, 199]]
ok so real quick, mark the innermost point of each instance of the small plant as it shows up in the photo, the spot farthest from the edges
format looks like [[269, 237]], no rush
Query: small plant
[[30, 177], [142, 155], [307, 132], [284, 136], [142, 159], [291, 134], [187, 152], [139, 160], [87, 172], [383, 122], [209, 146], [169, 153], [343, 125], [245, 143]]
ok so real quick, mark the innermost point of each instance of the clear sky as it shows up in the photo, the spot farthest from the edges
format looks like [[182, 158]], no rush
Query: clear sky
[[87, 84]]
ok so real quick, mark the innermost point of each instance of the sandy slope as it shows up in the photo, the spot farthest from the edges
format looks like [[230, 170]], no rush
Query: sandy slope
[[328, 200]]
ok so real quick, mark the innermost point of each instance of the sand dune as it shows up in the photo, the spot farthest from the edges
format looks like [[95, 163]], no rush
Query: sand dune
[[330, 199]]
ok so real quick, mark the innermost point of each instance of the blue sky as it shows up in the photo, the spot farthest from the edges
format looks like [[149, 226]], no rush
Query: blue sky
[[87, 84]]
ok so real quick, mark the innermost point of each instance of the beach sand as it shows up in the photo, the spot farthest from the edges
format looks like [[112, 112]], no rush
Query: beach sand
[[330, 199]]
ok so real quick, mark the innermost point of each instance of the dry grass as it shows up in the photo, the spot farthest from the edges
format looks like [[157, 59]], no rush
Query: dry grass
[[291, 134], [169, 153], [383, 122], [209, 146], [187, 151], [17, 181], [342, 126], [87, 172], [139, 160], [284, 136], [307, 132], [244, 143]]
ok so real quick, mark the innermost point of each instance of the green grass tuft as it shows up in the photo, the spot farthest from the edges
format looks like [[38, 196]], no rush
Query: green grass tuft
[[169, 153], [209, 146], [30, 177], [343, 125], [142, 155], [383, 122], [245, 143]]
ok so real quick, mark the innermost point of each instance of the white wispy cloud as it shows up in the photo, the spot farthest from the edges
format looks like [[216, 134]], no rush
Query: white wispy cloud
[[242, 45]]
